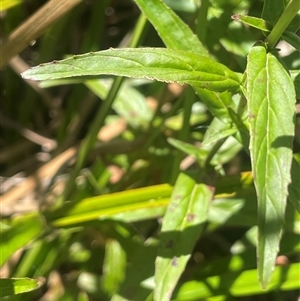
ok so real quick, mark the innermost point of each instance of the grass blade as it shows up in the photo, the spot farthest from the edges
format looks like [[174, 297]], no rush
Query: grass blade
[[21, 231], [14, 286], [175, 33]]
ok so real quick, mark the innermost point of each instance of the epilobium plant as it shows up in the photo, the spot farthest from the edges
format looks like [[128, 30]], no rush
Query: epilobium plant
[[265, 126]]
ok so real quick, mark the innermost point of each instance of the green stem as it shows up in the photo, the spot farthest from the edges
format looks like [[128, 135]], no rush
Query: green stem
[[212, 152], [189, 99], [283, 22], [201, 26], [91, 137]]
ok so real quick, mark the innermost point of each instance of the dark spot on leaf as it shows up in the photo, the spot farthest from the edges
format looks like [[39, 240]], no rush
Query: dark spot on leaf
[[170, 244], [172, 206], [190, 217], [211, 188], [174, 262], [236, 17], [54, 62], [251, 116], [260, 80]]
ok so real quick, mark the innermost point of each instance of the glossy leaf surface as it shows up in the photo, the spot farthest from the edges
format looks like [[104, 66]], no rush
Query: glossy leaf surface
[[143, 200], [253, 22], [180, 229], [271, 99], [175, 33], [14, 286], [153, 63]]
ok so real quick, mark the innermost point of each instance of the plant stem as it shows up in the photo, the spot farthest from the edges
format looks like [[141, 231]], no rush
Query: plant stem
[[189, 99], [91, 137], [285, 19], [212, 152], [201, 25]]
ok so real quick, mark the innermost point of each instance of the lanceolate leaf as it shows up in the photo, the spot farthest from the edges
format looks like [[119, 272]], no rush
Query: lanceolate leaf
[[21, 231], [152, 63], [273, 9], [293, 39], [253, 22], [178, 36], [14, 286], [180, 229], [271, 108], [175, 33]]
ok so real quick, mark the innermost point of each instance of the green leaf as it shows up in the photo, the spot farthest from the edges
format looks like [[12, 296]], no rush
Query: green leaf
[[178, 36], [43, 255], [7, 4], [295, 74], [114, 266], [245, 255], [271, 109], [253, 22], [285, 22], [142, 203], [199, 154], [242, 134], [222, 210], [21, 231], [292, 39], [136, 107], [152, 63], [174, 33], [294, 188], [217, 103], [181, 228], [273, 9], [239, 284], [82, 296], [130, 205], [295, 24], [14, 286], [139, 275]]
